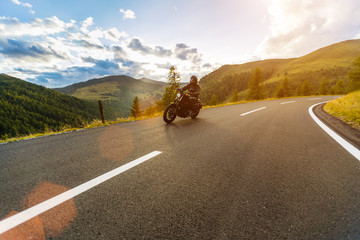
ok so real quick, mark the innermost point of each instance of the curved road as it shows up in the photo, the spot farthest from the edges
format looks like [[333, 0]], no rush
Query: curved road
[[233, 173]]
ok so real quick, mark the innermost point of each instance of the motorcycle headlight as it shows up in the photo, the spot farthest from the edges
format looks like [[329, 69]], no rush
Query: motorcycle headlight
[[178, 95]]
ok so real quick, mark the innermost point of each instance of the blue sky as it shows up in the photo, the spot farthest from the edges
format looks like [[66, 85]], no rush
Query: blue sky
[[57, 43]]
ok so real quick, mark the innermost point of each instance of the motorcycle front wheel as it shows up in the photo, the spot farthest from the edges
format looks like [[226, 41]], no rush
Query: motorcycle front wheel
[[170, 113], [195, 114]]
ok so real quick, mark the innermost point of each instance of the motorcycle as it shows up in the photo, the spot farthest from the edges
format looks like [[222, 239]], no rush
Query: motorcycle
[[184, 105]]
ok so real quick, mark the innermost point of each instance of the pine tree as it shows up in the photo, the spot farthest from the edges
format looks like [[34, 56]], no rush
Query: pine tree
[[306, 88], [298, 90], [135, 109], [354, 76], [324, 85], [235, 96], [283, 89], [279, 93], [256, 90], [286, 86], [174, 83], [339, 87], [213, 100]]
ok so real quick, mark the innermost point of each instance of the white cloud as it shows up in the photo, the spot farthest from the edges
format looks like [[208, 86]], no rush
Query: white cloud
[[86, 24], [299, 27], [184, 52], [128, 14], [55, 53], [12, 27], [28, 5], [114, 34]]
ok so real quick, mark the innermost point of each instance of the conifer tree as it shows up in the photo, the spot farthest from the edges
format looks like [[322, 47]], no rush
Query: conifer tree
[[298, 90], [283, 90], [324, 85], [354, 76], [235, 96], [174, 83], [213, 100], [286, 86], [279, 93], [135, 109], [306, 88], [256, 90], [339, 87]]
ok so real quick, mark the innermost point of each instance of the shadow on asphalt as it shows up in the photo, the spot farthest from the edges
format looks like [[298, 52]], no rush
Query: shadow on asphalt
[[184, 129], [185, 122]]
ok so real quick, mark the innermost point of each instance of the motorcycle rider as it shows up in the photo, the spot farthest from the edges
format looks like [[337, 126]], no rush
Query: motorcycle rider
[[193, 87], [194, 90]]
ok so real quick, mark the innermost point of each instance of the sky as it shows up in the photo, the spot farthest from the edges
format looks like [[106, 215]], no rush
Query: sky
[[57, 43]]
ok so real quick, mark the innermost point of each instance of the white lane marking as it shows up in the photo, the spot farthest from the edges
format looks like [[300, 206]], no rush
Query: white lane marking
[[287, 102], [252, 111], [311, 99], [36, 210], [345, 144]]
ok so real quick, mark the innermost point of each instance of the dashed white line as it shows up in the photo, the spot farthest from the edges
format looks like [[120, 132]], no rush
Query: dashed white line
[[345, 144], [252, 111], [36, 210], [287, 102]]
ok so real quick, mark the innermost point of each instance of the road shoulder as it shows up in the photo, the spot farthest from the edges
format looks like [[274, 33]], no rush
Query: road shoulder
[[351, 134]]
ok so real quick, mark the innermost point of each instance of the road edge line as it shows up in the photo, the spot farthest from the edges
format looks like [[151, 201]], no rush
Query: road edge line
[[17, 219], [288, 102], [345, 144], [258, 109]]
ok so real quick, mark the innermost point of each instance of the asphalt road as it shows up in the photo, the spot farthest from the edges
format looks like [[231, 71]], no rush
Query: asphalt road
[[270, 174]]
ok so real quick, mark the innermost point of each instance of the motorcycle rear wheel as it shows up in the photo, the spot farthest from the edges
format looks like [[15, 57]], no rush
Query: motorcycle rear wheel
[[170, 113]]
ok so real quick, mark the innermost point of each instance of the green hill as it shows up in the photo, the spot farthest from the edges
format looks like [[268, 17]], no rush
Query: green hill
[[331, 62], [27, 108], [117, 93]]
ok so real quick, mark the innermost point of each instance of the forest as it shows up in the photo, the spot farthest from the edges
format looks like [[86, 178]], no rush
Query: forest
[[27, 108], [225, 87]]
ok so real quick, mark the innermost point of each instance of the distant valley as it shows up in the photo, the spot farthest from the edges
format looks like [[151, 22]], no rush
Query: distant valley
[[117, 93]]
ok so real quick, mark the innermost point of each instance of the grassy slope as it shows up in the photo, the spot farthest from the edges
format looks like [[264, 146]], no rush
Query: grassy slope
[[346, 108], [333, 62], [340, 54], [117, 93], [273, 65]]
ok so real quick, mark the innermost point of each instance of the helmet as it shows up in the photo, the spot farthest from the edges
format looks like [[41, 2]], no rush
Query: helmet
[[193, 79]]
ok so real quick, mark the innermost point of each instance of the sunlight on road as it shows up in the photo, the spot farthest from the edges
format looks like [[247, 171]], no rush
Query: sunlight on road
[[116, 143], [52, 222], [32, 229]]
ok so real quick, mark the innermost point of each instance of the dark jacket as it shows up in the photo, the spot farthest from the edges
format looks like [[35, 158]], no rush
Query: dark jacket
[[193, 88]]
